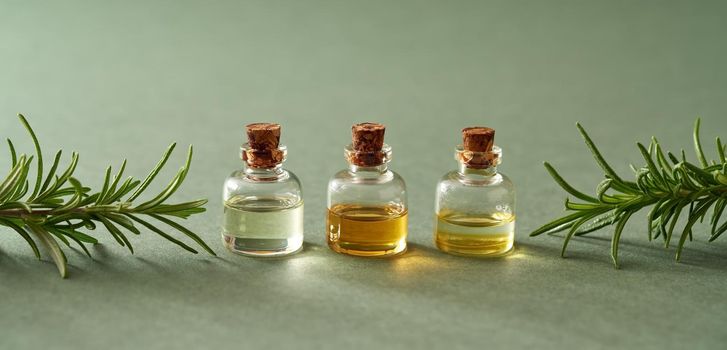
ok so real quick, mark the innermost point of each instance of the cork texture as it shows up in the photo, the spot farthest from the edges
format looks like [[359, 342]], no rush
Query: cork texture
[[263, 136], [368, 141], [263, 140], [478, 139], [477, 142]]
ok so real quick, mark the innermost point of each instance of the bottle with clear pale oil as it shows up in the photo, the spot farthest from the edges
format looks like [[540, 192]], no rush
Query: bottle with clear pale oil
[[475, 205], [263, 203], [367, 209]]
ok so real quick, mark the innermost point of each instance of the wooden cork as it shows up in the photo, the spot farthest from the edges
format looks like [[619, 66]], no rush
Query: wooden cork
[[478, 139], [368, 141], [263, 136], [263, 140], [477, 142]]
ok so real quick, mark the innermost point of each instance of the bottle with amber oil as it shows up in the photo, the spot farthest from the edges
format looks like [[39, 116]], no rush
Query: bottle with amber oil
[[263, 203], [475, 204], [367, 209]]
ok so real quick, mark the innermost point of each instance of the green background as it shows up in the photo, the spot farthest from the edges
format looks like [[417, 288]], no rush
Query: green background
[[126, 78]]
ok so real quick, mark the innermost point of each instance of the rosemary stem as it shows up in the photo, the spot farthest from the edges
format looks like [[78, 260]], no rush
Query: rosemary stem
[[671, 190], [21, 212]]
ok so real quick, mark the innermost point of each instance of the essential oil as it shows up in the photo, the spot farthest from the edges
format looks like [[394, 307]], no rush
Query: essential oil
[[263, 203], [367, 230], [367, 205], [475, 234], [262, 226], [475, 205]]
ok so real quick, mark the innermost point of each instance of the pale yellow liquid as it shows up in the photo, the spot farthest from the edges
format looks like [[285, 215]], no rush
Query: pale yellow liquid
[[367, 230], [262, 227], [482, 236]]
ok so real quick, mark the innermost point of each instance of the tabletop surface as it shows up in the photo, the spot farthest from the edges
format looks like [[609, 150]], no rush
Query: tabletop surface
[[125, 79]]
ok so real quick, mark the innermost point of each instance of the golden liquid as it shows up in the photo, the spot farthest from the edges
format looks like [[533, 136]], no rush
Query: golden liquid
[[483, 236], [367, 230]]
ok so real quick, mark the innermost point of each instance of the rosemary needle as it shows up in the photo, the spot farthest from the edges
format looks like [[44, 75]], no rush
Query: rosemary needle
[[59, 206], [668, 184]]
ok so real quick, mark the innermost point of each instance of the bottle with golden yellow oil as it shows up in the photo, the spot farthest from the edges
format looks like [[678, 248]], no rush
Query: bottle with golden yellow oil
[[367, 209], [475, 205]]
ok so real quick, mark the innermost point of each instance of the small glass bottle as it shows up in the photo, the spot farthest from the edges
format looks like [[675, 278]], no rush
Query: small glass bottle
[[367, 209], [475, 205], [263, 203]]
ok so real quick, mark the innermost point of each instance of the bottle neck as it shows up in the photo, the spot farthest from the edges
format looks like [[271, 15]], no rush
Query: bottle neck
[[466, 171], [263, 174], [378, 169], [356, 159], [478, 165]]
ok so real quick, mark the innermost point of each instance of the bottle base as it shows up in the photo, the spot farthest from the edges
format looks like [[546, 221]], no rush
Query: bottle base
[[262, 247], [478, 249], [368, 250]]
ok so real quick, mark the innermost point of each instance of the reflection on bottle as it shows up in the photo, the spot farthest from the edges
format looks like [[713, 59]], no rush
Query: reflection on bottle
[[475, 205], [367, 209], [263, 203]]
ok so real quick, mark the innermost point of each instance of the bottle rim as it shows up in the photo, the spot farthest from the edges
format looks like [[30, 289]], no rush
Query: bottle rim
[[256, 158], [478, 160], [374, 158]]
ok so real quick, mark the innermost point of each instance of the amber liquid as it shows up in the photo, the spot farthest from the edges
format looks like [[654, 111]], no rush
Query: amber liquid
[[367, 230], [481, 236]]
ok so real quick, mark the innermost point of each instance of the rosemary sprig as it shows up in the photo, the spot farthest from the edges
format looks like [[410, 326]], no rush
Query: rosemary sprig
[[59, 206], [667, 183]]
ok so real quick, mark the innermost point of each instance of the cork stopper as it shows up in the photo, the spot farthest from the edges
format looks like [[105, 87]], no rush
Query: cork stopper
[[368, 144], [478, 139], [263, 145], [263, 136], [477, 148]]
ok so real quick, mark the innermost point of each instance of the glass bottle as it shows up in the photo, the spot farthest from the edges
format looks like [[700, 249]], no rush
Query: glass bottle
[[475, 205], [263, 203], [367, 208]]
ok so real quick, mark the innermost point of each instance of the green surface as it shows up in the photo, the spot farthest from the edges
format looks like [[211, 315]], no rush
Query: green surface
[[128, 78]]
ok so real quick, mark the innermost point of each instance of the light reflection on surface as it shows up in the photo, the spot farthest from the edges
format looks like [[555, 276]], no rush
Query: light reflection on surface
[[419, 264], [428, 260]]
